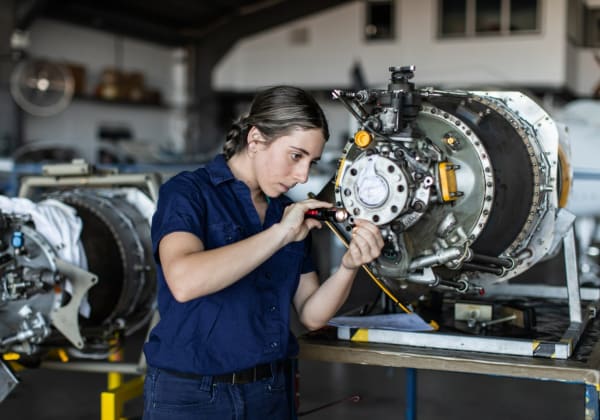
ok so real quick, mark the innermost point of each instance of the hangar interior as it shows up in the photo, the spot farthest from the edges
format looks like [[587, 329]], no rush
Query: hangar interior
[[464, 129]]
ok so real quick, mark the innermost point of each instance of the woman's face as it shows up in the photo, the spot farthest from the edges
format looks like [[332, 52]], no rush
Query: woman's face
[[286, 161]]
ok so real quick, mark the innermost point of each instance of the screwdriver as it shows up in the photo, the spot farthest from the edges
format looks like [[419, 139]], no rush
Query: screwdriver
[[332, 214]]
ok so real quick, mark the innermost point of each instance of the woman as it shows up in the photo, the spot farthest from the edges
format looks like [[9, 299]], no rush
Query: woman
[[232, 254]]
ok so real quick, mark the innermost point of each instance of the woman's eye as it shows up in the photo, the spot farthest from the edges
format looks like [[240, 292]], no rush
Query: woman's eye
[[314, 163], [296, 156]]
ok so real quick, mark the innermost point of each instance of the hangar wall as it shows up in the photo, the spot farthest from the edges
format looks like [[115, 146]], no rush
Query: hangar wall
[[77, 126], [335, 41]]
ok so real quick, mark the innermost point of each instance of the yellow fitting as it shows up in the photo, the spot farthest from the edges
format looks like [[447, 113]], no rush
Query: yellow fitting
[[565, 177], [63, 355], [11, 356], [447, 181], [362, 138]]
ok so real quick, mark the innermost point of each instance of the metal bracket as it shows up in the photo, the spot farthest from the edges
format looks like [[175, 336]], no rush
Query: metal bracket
[[8, 381], [65, 318]]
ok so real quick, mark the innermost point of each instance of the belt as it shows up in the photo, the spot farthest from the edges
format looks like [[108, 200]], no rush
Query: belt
[[245, 376]]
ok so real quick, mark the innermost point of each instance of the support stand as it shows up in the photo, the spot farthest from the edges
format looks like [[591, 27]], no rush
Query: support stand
[[119, 392], [561, 349]]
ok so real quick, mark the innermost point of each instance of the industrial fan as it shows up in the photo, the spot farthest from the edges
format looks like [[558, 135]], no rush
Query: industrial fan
[[41, 87]]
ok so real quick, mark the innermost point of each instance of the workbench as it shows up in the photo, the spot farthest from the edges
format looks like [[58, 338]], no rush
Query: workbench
[[582, 368]]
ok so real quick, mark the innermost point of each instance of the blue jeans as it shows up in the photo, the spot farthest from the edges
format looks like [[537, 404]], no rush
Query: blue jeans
[[171, 397]]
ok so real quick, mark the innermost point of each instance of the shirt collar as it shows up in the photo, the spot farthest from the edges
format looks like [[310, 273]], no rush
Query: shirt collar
[[218, 170]]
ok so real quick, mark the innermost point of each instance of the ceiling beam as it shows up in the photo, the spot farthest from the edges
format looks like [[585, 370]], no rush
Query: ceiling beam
[[116, 22], [249, 19], [241, 21], [27, 11]]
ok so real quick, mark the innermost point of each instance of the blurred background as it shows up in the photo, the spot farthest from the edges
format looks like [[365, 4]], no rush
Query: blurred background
[[153, 86], [160, 82]]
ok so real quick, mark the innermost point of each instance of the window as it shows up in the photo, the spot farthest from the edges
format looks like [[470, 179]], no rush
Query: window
[[453, 17], [379, 19], [583, 24], [592, 25], [524, 15], [575, 22], [487, 16], [467, 18]]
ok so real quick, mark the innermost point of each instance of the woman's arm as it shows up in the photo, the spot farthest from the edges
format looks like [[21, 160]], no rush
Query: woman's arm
[[317, 304], [191, 271]]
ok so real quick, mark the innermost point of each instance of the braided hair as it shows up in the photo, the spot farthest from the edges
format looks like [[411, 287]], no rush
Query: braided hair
[[275, 112]]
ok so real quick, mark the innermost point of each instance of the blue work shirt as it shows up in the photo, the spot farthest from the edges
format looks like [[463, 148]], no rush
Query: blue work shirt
[[245, 324]]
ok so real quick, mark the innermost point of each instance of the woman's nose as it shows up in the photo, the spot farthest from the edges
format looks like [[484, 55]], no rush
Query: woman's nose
[[301, 174]]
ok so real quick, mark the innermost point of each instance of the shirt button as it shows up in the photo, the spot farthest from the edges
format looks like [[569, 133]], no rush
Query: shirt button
[[274, 344], [272, 308]]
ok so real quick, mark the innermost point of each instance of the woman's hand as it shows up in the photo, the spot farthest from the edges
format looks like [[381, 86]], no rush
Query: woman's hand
[[365, 246], [294, 223]]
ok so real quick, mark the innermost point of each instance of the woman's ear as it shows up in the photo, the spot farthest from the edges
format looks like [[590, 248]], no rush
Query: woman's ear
[[252, 139], [253, 135], [255, 139]]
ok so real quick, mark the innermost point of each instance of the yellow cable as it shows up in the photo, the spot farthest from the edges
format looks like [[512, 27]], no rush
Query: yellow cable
[[341, 237], [367, 270]]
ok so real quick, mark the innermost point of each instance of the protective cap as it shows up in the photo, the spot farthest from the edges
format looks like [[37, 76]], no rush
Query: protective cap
[[362, 138]]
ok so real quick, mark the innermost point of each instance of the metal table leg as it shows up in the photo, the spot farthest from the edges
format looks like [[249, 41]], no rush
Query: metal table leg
[[591, 402], [411, 394]]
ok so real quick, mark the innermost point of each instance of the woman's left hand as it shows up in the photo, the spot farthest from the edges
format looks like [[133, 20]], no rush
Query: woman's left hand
[[365, 246]]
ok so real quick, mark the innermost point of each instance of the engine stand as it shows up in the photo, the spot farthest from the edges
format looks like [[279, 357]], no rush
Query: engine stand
[[560, 349]]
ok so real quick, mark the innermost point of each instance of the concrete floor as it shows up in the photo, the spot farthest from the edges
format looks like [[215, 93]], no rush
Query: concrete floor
[[440, 395]]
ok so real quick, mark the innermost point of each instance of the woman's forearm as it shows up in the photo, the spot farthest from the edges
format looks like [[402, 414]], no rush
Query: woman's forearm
[[327, 299], [202, 272]]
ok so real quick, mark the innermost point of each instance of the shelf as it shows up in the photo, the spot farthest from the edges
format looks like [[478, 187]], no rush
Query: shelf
[[120, 102]]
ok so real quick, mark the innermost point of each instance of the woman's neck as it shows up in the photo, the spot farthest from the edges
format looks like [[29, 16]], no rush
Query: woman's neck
[[241, 167]]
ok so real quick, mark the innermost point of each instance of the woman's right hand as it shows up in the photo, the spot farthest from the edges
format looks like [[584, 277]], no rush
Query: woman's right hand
[[365, 246], [294, 223]]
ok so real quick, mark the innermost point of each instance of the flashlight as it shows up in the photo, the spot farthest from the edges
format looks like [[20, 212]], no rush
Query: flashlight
[[332, 214]]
